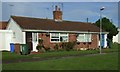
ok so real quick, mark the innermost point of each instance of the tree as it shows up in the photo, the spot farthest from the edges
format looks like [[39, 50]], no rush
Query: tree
[[108, 26]]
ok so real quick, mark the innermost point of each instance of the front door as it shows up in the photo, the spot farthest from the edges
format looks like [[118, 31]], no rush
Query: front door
[[29, 40], [103, 40]]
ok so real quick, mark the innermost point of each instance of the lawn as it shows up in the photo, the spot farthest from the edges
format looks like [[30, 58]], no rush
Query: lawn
[[97, 62], [108, 61], [13, 56]]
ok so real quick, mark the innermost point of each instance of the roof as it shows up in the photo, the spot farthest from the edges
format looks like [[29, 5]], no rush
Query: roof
[[49, 24], [3, 24]]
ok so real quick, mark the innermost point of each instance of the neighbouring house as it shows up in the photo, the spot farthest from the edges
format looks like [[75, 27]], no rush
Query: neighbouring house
[[3, 25], [117, 37], [5, 36], [27, 30]]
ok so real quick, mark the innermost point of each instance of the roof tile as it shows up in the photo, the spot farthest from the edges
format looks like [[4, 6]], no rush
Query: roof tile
[[49, 24]]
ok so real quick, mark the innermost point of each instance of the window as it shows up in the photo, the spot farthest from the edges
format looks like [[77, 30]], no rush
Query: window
[[88, 37], [64, 37], [84, 38], [54, 37], [58, 37], [80, 38]]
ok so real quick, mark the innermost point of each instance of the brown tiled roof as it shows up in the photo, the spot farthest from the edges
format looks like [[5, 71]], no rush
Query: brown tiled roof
[[3, 24], [49, 24]]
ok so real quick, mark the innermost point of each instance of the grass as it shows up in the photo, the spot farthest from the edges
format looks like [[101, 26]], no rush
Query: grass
[[13, 56], [114, 48], [97, 62]]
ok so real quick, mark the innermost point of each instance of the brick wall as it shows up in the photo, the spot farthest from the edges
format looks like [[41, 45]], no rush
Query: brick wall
[[72, 37], [90, 45]]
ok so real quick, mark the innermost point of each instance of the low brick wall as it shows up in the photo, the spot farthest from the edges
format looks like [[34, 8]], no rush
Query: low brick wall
[[17, 48]]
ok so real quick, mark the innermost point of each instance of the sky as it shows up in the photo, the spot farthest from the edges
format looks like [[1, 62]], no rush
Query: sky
[[72, 11]]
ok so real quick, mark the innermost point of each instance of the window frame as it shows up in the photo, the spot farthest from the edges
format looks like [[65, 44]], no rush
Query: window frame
[[60, 35], [64, 34], [54, 38], [86, 38]]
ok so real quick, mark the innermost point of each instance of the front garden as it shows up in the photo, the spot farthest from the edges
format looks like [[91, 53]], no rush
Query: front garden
[[64, 60], [95, 62], [58, 53]]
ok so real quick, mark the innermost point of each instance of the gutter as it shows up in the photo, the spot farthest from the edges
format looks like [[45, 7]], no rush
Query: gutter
[[28, 30]]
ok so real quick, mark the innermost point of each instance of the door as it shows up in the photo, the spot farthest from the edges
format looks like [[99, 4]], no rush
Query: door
[[29, 40], [103, 40]]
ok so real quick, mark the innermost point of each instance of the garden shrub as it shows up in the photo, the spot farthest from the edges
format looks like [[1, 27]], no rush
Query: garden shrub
[[115, 45], [40, 46], [40, 41], [56, 47], [47, 48], [68, 45]]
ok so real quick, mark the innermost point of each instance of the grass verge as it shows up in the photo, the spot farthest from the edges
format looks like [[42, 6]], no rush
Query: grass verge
[[96, 62]]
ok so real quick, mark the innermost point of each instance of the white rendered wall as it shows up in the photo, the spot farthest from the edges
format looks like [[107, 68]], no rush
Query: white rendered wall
[[105, 40], [117, 37], [17, 32], [6, 37]]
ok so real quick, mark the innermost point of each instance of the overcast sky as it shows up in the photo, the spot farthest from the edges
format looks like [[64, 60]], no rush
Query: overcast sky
[[72, 11]]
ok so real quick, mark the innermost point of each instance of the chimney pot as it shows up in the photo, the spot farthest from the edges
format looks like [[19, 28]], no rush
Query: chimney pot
[[55, 7], [59, 9]]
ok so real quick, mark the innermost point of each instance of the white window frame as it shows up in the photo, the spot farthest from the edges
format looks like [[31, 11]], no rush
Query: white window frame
[[60, 34], [54, 38], [79, 36], [64, 34], [85, 40], [88, 38]]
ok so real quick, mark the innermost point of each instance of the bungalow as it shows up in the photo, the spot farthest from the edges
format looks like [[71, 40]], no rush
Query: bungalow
[[3, 25], [27, 30]]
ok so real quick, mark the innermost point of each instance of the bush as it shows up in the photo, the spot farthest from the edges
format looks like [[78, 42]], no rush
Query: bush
[[47, 49], [115, 45], [40, 41], [40, 45], [56, 47], [68, 45]]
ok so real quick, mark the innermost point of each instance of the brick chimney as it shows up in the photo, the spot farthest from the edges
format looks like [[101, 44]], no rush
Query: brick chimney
[[57, 14]]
